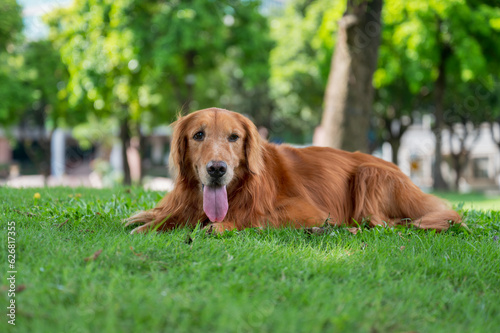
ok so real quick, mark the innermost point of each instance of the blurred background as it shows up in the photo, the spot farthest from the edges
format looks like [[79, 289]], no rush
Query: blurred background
[[88, 88]]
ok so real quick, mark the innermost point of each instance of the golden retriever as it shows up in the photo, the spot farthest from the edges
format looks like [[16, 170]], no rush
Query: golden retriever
[[228, 177]]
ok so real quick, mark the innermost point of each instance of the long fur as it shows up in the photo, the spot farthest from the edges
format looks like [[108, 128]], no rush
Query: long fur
[[280, 185]]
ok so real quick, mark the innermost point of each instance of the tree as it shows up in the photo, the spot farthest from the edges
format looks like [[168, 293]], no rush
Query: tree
[[473, 103], [463, 133], [402, 85], [142, 61], [45, 77], [442, 47], [392, 113], [12, 92], [11, 23], [493, 97], [464, 34], [349, 92], [99, 43], [247, 66], [305, 37], [30, 74]]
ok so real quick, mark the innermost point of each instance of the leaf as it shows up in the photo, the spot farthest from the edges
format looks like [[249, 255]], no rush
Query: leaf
[[60, 225], [94, 256], [29, 214], [135, 253], [315, 230], [353, 231]]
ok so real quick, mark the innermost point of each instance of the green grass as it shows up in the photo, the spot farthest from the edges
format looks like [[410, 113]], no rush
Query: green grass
[[473, 200], [379, 280]]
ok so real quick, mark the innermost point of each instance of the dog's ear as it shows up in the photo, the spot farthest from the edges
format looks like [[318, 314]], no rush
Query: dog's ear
[[178, 147], [254, 151]]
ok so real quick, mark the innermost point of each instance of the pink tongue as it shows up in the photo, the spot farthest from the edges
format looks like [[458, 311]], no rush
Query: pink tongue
[[215, 202]]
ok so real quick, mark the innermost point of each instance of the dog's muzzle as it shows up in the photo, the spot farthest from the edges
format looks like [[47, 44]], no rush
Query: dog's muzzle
[[216, 169]]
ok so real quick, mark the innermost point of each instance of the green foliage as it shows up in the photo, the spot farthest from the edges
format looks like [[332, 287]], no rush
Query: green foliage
[[137, 63], [45, 78], [97, 51], [384, 280], [143, 61], [11, 22], [31, 90], [146, 60], [305, 37], [30, 79], [12, 93], [415, 34]]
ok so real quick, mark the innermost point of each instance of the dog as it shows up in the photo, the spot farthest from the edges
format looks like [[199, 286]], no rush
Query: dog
[[227, 177]]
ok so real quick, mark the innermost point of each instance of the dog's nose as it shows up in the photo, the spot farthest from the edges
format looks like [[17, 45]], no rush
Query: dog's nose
[[216, 169]]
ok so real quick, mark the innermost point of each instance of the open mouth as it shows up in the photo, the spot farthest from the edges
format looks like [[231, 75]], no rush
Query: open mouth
[[215, 203]]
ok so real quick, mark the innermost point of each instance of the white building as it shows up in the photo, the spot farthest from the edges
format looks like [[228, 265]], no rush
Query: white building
[[416, 157]]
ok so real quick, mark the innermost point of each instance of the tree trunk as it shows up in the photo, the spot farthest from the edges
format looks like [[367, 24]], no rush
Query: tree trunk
[[458, 170], [439, 183], [349, 92], [395, 135], [125, 139], [40, 156], [492, 131], [190, 81], [142, 149], [395, 144], [460, 162], [461, 158]]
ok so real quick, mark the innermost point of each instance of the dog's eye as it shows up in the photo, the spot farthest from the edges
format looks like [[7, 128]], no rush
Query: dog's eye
[[199, 136], [233, 138]]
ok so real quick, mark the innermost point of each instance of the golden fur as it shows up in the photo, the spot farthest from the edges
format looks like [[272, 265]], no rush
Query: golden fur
[[277, 185]]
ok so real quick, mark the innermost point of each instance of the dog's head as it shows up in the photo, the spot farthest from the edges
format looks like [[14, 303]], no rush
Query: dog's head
[[215, 147]]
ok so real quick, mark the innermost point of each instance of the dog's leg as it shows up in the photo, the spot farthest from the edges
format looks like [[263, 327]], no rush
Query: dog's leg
[[142, 229], [151, 220], [219, 227], [176, 209], [388, 197], [304, 215], [439, 220]]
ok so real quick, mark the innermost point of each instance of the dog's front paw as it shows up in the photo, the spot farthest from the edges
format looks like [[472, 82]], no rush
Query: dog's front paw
[[147, 219], [218, 228], [142, 229], [213, 229]]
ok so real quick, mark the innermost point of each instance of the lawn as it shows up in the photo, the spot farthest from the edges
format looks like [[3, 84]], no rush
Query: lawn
[[473, 200], [379, 280]]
